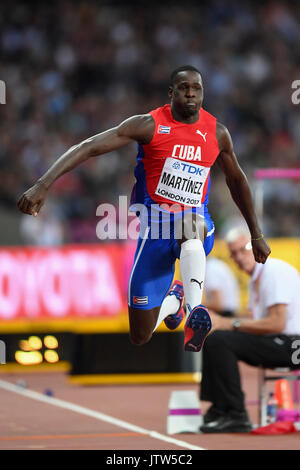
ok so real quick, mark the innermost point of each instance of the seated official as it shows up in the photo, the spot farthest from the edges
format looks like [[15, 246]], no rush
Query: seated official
[[265, 339]]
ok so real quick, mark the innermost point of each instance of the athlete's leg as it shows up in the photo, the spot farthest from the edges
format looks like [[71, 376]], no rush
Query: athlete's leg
[[142, 323], [150, 280], [192, 255], [192, 258], [172, 307]]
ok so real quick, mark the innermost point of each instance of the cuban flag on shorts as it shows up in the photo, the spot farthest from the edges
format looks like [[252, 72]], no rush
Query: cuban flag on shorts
[[140, 300], [163, 129]]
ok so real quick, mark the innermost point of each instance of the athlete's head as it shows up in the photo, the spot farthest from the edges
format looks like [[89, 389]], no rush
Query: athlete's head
[[186, 90], [239, 244]]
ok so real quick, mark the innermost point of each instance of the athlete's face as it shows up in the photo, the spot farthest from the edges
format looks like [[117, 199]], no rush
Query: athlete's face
[[186, 93], [241, 252]]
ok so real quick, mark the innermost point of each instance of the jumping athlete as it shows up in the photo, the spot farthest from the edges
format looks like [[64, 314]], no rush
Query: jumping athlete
[[177, 145]]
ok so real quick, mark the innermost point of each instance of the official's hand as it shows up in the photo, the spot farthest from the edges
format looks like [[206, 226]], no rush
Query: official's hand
[[261, 250], [33, 199]]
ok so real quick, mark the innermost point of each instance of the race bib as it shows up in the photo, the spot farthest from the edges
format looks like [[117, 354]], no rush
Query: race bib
[[182, 182]]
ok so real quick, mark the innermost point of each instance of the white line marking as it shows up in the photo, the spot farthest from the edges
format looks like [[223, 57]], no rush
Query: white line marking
[[94, 414]]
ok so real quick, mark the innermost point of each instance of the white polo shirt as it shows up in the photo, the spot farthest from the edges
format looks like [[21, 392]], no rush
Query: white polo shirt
[[276, 282], [218, 276]]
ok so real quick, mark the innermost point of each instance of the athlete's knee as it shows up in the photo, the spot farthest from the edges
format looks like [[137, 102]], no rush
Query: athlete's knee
[[142, 324], [139, 337]]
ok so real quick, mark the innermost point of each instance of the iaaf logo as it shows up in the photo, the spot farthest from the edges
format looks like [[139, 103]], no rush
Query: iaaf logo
[[193, 170]]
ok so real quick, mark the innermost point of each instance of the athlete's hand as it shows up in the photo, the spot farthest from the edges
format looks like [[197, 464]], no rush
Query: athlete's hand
[[261, 250], [33, 199]]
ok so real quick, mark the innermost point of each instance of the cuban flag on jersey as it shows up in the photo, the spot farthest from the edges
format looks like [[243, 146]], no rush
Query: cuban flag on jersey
[[163, 129]]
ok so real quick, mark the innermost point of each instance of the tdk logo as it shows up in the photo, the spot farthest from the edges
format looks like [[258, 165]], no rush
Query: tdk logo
[[185, 167], [191, 169], [176, 165]]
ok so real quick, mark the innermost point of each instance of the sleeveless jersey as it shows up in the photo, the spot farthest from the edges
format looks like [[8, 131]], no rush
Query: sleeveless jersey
[[175, 166]]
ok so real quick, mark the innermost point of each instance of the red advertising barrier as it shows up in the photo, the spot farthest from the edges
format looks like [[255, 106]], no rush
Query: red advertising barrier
[[65, 283]]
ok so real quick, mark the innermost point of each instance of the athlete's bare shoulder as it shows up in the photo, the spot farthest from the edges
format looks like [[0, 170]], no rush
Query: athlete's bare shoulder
[[140, 128], [223, 137]]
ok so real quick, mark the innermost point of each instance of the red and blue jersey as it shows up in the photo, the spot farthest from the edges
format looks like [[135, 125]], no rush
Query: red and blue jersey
[[175, 166]]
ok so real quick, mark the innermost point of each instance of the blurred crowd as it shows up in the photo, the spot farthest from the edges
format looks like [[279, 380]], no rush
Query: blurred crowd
[[74, 69]]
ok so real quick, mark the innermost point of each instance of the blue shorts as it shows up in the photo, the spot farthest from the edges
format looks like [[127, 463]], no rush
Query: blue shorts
[[154, 262]]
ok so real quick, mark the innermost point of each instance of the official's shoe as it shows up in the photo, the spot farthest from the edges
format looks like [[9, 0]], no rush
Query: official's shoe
[[212, 414], [173, 321], [234, 421], [197, 327]]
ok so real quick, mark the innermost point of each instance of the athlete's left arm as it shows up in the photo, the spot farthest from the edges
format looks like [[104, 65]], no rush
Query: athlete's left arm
[[240, 191]]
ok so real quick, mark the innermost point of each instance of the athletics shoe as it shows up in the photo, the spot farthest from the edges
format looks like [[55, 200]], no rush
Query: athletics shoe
[[197, 327], [174, 320]]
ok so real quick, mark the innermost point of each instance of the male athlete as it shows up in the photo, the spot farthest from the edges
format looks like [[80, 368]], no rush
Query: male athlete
[[178, 144]]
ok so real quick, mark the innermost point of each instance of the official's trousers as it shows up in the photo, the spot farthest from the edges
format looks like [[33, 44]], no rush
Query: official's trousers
[[221, 381]]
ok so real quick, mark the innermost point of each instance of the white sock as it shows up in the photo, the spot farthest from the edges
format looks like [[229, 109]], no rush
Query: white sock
[[192, 269], [169, 306]]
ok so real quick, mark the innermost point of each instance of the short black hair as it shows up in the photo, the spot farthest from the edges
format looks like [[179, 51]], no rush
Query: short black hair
[[182, 68]]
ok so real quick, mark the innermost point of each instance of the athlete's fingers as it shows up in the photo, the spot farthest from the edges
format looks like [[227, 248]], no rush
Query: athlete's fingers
[[23, 204], [28, 206], [261, 257], [256, 255], [261, 250], [20, 202], [38, 207]]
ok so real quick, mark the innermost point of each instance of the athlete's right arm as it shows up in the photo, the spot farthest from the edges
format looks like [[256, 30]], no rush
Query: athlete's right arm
[[137, 128]]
